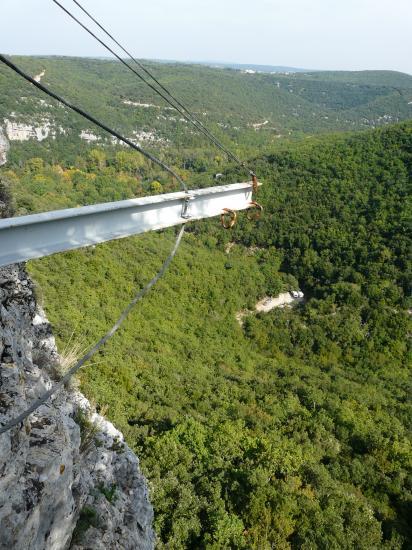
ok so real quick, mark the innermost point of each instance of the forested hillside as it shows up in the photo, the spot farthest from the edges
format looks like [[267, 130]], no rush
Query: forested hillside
[[247, 111], [293, 430]]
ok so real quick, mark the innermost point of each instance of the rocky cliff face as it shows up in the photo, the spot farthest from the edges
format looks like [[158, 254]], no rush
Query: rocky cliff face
[[67, 479], [4, 147]]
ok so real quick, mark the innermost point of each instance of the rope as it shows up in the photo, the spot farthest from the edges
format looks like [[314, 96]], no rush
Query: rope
[[41, 400], [89, 117], [176, 104]]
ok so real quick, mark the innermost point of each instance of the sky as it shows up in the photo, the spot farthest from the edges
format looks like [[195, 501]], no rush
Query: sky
[[310, 34]]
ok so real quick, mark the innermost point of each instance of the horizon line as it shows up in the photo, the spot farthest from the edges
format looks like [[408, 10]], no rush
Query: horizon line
[[214, 64]]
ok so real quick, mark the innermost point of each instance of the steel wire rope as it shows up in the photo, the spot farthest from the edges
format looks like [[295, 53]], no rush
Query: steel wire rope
[[91, 118], [203, 130], [108, 48], [177, 105], [41, 400], [166, 90]]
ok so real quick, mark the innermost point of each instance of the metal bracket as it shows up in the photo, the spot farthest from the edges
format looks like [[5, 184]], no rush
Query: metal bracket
[[186, 207]]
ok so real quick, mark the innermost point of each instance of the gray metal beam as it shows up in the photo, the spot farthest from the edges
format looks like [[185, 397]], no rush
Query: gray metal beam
[[27, 237]]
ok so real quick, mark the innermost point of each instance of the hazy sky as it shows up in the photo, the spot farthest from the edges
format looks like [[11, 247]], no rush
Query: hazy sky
[[314, 34]]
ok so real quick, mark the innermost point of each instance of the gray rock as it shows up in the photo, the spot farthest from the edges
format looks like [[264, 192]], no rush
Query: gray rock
[[4, 148], [54, 475]]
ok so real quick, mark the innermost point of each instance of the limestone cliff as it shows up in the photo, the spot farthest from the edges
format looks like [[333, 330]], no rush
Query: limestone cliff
[[4, 147], [67, 479]]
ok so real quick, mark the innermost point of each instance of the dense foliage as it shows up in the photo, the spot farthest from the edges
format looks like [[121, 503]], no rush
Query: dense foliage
[[293, 430], [6, 199], [245, 111]]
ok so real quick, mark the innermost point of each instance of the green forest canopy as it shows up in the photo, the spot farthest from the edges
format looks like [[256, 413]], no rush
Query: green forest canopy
[[230, 103], [292, 431]]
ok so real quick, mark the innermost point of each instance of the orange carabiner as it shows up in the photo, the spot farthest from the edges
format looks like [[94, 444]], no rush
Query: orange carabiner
[[228, 224]]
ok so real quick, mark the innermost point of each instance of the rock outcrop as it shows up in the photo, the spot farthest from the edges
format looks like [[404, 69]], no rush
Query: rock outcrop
[[20, 131], [67, 479], [4, 148]]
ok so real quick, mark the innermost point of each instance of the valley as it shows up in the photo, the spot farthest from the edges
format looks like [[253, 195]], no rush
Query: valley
[[250, 112], [292, 429]]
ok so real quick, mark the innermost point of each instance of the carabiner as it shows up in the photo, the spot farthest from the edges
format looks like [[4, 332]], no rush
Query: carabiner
[[232, 220]]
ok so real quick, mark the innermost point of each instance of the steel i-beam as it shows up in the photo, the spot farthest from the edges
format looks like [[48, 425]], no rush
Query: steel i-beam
[[28, 237]]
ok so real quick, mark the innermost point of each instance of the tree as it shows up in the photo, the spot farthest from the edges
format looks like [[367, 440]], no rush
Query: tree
[[6, 200], [156, 187]]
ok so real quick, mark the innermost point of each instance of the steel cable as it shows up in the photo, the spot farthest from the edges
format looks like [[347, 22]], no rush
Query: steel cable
[[108, 48], [89, 117], [176, 104], [41, 400], [168, 92]]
